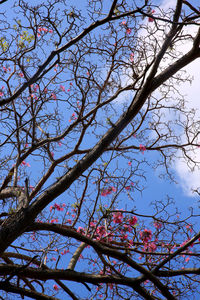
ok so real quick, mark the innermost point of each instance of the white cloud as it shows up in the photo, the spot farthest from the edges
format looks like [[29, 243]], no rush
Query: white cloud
[[189, 180]]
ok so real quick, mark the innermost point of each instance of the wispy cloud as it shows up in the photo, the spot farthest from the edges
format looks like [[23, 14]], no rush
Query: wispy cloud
[[189, 179]]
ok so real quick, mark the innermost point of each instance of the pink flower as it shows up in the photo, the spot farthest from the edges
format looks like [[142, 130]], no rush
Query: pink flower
[[50, 31], [81, 230], [113, 189], [128, 31], [54, 220], [151, 19], [92, 224], [127, 228], [53, 96], [133, 221], [131, 59], [151, 247], [74, 116], [40, 29], [58, 207], [129, 163], [108, 191], [78, 105], [189, 227], [117, 218], [187, 259], [145, 235], [157, 225], [104, 192], [1, 94], [23, 163], [123, 22], [62, 88], [142, 148], [65, 252], [33, 236], [21, 74], [127, 187], [124, 237], [101, 232], [56, 288]]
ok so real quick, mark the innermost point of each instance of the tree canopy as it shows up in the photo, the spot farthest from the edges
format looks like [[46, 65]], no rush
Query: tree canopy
[[92, 110]]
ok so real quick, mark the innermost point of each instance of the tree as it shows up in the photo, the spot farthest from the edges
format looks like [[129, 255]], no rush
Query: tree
[[85, 95]]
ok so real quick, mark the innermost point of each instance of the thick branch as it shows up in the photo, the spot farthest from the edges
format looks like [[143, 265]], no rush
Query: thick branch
[[7, 287], [38, 263], [172, 273]]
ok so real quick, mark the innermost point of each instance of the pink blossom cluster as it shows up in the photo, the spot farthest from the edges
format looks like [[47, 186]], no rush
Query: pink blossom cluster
[[53, 96], [132, 59], [101, 232], [20, 74], [129, 187], [108, 191], [150, 247], [81, 230], [63, 88], [59, 207], [54, 220], [6, 69], [55, 287], [43, 30], [64, 252], [142, 148], [128, 30], [151, 19], [146, 235], [1, 91], [117, 218], [35, 87], [25, 164], [133, 221], [73, 117], [157, 225]]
